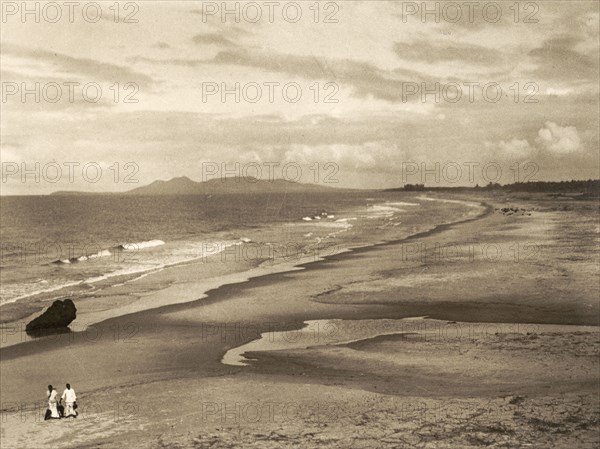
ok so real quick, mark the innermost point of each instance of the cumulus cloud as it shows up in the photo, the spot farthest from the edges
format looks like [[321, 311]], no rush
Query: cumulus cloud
[[515, 147], [558, 139], [551, 139]]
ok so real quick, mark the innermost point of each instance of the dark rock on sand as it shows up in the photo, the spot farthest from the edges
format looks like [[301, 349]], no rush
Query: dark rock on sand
[[58, 316]]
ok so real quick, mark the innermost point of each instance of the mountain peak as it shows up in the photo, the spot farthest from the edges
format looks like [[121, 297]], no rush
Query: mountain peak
[[181, 179], [245, 179]]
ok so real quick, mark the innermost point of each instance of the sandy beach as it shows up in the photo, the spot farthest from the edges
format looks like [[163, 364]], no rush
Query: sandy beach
[[478, 333]]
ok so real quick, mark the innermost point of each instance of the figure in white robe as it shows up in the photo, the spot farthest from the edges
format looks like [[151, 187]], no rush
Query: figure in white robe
[[53, 402], [69, 397]]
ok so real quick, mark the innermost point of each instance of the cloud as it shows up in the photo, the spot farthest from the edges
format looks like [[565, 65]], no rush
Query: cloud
[[182, 62], [9, 152], [551, 139], [212, 39], [515, 147], [423, 50], [559, 139], [558, 58], [365, 78], [21, 97], [557, 91], [96, 70]]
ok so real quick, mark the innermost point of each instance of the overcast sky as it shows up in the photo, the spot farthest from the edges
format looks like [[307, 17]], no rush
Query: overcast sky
[[340, 93]]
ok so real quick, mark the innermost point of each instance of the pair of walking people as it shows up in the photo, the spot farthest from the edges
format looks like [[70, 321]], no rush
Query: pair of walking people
[[55, 408]]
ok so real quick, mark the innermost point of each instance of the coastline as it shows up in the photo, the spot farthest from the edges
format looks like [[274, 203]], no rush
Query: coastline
[[179, 347], [239, 272]]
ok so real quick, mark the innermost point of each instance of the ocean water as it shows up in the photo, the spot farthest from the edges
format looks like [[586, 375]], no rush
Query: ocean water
[[53, 246]]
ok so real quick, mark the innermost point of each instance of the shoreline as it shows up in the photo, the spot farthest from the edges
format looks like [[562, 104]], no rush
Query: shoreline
[[224, 286], [235, 279], [35, 302], [173, 353], [240, 281]]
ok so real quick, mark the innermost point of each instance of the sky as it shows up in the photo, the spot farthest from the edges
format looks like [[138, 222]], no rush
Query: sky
[[109, 96]]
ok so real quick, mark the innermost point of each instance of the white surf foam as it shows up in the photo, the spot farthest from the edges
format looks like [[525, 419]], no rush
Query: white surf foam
[[141, 245]]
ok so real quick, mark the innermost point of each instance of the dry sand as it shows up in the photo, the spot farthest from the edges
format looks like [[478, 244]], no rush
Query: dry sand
[[155, 378]]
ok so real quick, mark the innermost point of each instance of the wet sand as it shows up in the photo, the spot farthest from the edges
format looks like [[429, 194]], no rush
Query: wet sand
[[155, 379]]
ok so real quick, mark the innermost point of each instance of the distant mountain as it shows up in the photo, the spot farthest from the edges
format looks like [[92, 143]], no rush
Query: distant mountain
[[175, 186], [185, 186], [76, 193]]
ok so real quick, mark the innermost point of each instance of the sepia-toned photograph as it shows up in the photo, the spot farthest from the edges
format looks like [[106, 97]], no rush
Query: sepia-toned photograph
[[301, 224]]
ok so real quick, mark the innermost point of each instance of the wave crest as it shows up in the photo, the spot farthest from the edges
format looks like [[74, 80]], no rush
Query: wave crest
[[140, 245]]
